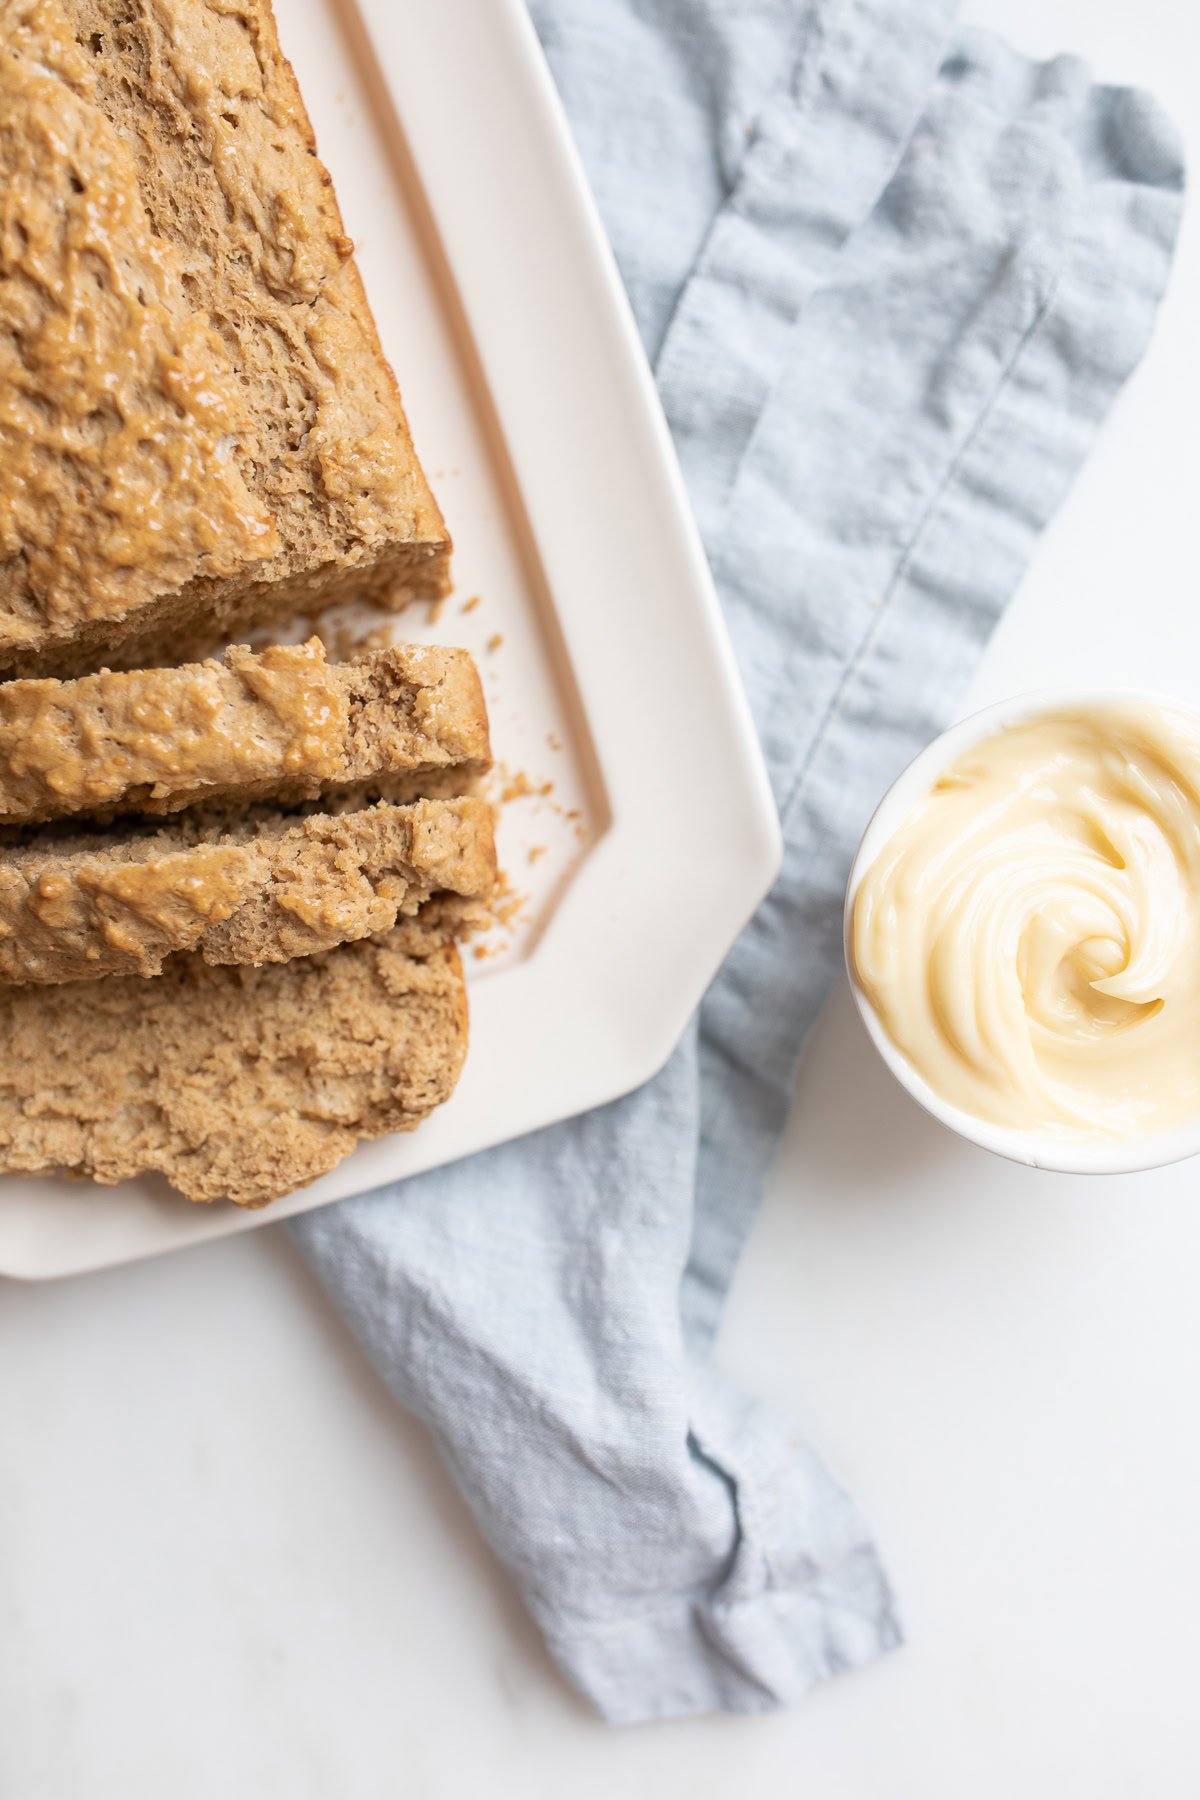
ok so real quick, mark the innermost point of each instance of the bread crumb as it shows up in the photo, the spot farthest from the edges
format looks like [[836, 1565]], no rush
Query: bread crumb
[[536, 851], [518, 786], [508, 902], [500, 912], [472, 603], [495, 641], [554, 741]]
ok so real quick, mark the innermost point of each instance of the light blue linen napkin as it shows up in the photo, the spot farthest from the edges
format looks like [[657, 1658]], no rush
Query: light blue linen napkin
[[890, 276]]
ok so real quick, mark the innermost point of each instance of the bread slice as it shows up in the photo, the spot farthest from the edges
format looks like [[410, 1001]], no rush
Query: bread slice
[[198, 428], [282, 724], [235, 1083], [251, 891]]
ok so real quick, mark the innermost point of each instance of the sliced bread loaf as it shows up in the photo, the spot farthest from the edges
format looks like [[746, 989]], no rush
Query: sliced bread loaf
[[256, 890], [280, 724], [198, 428], [235, 1083]]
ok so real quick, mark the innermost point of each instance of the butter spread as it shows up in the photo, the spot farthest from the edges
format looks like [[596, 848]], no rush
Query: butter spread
[[120, 415], [1029, 937]]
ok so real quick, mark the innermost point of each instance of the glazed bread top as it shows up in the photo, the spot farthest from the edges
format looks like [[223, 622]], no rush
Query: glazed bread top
[[196, 420], [281, 724]]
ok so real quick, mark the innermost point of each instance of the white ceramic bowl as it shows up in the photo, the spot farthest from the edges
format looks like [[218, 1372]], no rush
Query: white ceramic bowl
[[1038, 1150]]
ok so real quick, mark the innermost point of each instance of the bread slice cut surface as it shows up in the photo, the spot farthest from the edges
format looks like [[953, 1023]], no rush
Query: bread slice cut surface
[[235, 1083]]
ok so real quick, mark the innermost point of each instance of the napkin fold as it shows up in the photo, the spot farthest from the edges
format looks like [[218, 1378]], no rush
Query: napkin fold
[[890, 275]]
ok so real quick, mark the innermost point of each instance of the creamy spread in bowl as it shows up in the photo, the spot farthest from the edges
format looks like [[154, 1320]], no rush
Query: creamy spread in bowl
[[1027, 935]]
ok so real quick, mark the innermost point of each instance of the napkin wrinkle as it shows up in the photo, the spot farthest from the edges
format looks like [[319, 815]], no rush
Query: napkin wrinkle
[[853, 99], [1024, 284], [891, 279]]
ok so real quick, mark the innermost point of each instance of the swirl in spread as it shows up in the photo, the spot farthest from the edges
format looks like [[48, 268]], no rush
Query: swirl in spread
[[1030, 936]]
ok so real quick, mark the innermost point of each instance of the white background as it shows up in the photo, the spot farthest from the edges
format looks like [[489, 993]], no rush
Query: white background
[[229, 1567]]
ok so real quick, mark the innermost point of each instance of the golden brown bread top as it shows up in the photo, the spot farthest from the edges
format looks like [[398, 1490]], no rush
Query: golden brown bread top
[[255, 891], [196, 418], [281, 724], [118, 404], [235, 1083]]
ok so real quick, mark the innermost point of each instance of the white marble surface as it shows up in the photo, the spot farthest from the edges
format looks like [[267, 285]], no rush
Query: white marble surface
[[228, 1567]]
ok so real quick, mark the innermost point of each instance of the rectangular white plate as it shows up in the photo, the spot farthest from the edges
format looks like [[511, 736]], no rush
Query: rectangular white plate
[[608, 672]]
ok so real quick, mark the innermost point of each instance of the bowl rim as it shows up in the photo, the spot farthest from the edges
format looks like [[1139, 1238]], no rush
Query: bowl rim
[[1037, 1150]]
